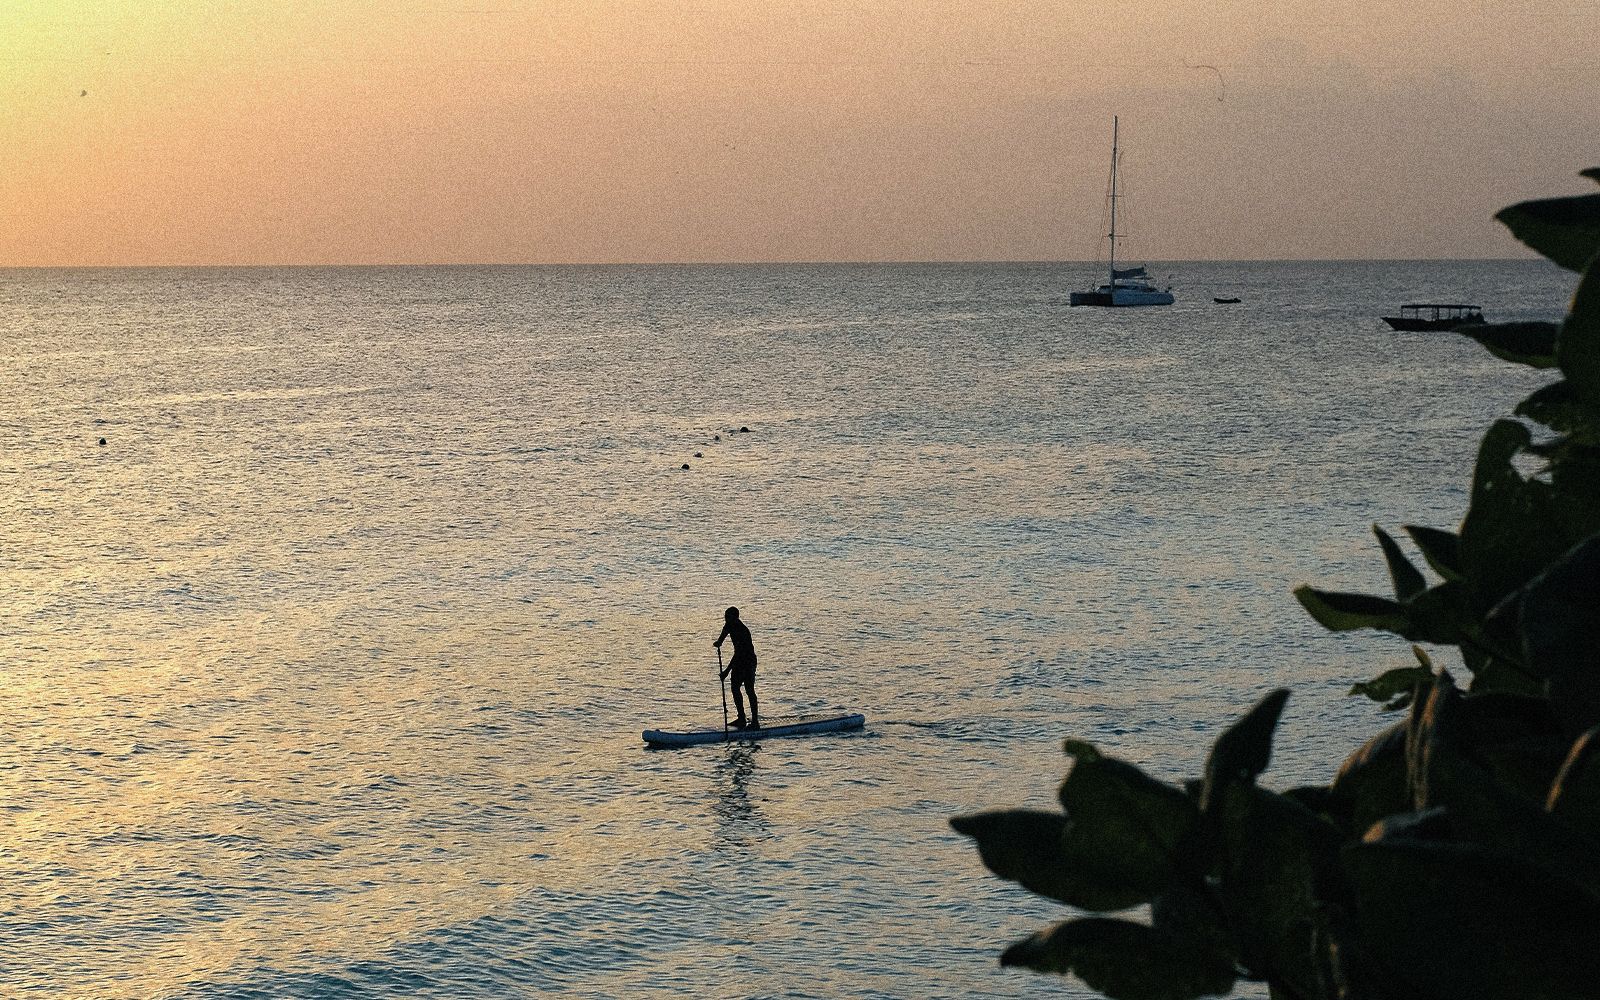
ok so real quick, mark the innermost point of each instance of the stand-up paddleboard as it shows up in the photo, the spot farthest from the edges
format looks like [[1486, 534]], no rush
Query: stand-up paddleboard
[[794, 725]]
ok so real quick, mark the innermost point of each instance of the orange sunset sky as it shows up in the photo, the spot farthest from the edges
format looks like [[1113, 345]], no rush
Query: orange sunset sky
[[506, 131]]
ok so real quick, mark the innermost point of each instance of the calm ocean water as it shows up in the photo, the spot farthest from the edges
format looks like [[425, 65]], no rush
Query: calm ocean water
[[324, 676]]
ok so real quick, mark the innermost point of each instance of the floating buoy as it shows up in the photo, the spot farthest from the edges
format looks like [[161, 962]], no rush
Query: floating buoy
[[698, 455], [102, 441], [686, 465], [744, 430], [716, 437]]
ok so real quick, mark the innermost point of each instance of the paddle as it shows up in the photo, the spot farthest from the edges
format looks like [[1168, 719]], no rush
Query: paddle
[[724, 689]]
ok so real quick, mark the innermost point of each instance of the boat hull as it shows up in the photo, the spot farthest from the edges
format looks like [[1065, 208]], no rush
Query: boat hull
[[1122, 297], [1417, 323], [779, 726]]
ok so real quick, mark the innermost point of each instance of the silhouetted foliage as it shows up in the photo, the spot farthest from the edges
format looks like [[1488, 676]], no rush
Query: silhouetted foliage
[[1457, 853]]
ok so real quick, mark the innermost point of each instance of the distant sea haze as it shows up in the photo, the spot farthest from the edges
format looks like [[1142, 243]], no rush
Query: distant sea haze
[[326, 671]]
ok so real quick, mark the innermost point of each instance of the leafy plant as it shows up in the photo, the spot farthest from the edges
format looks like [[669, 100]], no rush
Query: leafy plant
[[1456, 854]]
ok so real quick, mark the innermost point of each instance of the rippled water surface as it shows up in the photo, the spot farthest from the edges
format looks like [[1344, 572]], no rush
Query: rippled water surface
[[325, 673]]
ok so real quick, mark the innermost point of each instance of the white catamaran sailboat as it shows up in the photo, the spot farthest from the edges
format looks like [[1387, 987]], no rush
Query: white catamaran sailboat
[[1129, 286]]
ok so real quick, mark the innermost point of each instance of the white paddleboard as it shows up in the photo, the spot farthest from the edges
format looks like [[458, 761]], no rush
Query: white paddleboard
[[793, 725]]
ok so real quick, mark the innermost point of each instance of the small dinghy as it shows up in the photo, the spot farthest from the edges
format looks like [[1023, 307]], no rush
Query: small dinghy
[[801, 725]]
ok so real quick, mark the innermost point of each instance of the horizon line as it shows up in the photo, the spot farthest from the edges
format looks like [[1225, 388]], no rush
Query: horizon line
[[750, 263]]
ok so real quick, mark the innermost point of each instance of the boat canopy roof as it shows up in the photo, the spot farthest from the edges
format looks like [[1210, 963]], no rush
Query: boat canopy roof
[[1437, 305]]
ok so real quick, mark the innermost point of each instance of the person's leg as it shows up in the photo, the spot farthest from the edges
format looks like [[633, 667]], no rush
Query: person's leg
[[750, 689], [738, 703]]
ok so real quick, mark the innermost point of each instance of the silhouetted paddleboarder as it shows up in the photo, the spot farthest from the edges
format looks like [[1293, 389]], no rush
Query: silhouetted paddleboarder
[[742, 668]]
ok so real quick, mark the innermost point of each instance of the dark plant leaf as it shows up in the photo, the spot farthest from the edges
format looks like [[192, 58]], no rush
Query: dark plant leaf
[[1436, 615], [1345, 969], [1125, 960], [1491, 674], [1272, 851], [1245, 748], [1493, 651], [1430, 824], [1517, 739], [1408, 582], [1319, 799], [1515, 527], [1341, 612], [1575, 794], [1578, 347], [1447, 771], [1560, 624], [1192, 912], [1276, 857], [1439, 615], [1395, 685], [1024, 846], [1034, 849], [1440, 548], [1532, 344], [1566, 230], [1497, 717], [1574, 471], [1417, 734], [1447, 921], [1125, 829], [1560, 408], [1373, 779], [1431, 732], [1499, 525]]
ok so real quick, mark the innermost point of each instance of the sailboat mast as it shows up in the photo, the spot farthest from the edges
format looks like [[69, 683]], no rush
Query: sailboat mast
[[1112, 280]]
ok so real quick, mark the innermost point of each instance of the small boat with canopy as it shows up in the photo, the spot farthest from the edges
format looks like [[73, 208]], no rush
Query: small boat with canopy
[[1434, 316]]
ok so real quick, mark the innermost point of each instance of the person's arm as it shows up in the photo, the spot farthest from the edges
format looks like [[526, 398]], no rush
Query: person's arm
[[723, 673]]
